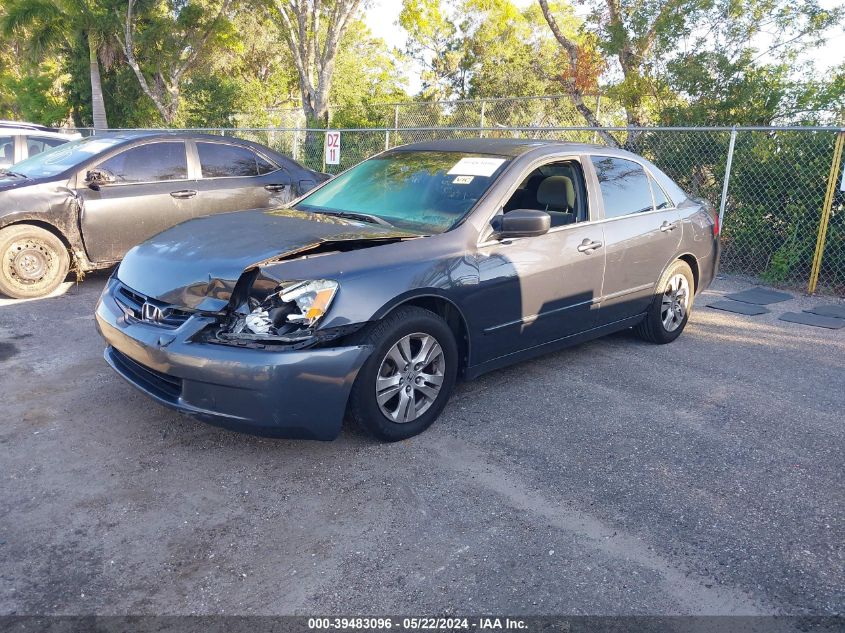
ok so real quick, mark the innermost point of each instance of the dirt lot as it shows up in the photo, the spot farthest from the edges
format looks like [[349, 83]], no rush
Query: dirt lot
[[617, 477]]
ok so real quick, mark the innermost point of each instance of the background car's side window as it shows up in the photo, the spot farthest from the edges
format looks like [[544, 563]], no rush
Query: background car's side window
[[37, 144], [219, 160], [7, 150], [149, 163], [624, 186], [556, 188]]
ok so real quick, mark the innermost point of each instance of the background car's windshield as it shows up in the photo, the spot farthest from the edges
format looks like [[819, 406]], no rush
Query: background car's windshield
[[58, 159], [424, 191]]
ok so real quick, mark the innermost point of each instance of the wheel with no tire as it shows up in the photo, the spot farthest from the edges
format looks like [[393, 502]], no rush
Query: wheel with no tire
[[33, 261], [669, 312], [405, 383]]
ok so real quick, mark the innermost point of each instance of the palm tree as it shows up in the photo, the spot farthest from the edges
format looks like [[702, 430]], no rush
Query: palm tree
[[56, 25]]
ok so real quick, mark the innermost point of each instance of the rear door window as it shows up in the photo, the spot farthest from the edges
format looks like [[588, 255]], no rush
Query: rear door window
[[624, 185], [661, 200], [220, 160], [153, 162]]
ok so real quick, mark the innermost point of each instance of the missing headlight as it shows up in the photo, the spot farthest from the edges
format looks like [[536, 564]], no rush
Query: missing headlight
[[287, 315]]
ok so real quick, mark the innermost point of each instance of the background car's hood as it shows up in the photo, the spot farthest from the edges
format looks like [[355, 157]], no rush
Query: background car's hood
[[197, 263]]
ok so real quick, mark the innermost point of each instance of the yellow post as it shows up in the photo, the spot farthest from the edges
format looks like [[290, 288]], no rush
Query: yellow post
[[828, 205]]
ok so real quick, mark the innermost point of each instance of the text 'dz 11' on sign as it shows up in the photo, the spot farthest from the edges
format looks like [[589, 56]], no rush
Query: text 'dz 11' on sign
[[332, 147]]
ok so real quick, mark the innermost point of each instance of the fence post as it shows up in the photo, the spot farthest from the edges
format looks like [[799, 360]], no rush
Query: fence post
[[386, 140], [728, 165], [825, 218], [481, 120], [396, 118], [598, 114]]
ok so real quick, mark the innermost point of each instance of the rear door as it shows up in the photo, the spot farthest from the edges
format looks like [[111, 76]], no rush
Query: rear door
[[234, 178], [151, 193], [641, 237]]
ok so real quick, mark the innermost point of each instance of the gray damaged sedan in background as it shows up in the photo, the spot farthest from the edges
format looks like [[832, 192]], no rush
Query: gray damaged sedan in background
[[370, 296], [91, 200]]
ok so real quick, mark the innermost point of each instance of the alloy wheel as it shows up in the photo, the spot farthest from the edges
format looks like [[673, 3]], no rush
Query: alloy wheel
[[675, 302], [410, 377]]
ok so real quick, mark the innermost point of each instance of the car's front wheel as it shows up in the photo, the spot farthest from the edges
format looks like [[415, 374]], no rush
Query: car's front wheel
[[33, 261], [670, 310], [405, 383]]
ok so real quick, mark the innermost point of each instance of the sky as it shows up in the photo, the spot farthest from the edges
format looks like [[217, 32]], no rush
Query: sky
[[382, 18]]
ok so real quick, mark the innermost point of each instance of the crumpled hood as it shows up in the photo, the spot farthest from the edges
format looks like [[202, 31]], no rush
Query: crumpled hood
[[196, 264]]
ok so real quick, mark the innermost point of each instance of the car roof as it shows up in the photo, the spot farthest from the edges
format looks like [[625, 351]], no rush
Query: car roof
[[127, 136], [25, 125], [15, 130], [512, 147]]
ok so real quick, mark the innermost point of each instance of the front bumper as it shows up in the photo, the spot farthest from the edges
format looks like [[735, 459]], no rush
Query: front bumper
[[296, 394]]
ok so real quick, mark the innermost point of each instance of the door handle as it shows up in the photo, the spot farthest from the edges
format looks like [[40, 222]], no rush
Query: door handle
[[275, 188], [588, 246], [668, 226], [184, 193]]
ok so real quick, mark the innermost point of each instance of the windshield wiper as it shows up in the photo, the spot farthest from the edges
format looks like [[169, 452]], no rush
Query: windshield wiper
[[354, 215], [6, 172]]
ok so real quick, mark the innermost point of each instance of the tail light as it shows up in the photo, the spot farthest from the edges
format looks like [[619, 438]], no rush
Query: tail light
[[716, 227]]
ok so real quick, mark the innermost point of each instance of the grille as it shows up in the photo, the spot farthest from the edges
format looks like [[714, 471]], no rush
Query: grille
[[163, 385], [133, 301]]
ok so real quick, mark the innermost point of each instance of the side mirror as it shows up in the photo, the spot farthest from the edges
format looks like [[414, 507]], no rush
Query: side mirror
[[95, 178], [523, 223]]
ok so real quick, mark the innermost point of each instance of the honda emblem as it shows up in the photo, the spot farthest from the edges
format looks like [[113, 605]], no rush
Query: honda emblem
[[151, 312]]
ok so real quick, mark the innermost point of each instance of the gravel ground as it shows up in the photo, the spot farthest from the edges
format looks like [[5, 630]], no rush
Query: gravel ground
[[617, 477]]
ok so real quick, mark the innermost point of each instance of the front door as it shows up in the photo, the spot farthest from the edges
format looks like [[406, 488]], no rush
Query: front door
[[234, 178], [642, 232], [150, 193], [534, 290]]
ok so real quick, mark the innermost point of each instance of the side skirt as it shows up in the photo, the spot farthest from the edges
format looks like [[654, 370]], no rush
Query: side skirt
[[475, 371]]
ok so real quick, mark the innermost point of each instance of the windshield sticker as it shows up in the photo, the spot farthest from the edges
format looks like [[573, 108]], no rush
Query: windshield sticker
[[476, 166], [462, 180], [93, 147]]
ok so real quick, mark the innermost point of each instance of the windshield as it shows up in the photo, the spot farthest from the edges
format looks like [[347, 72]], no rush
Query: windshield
[[423, 191], [56, 160]]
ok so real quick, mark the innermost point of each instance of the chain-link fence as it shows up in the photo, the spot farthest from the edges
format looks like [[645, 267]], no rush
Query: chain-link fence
[[534, 111], [784, 185]]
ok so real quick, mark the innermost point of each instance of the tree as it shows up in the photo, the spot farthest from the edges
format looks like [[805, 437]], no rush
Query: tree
[[313, 30], [435, 43], [371, 78], [53, 26], [659, 47], [175, 38]]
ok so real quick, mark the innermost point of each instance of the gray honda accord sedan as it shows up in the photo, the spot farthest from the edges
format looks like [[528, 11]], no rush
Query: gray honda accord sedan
[[370, 296]]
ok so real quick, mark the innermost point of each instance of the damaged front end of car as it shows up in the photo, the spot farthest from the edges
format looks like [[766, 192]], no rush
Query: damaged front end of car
[[265, 314]]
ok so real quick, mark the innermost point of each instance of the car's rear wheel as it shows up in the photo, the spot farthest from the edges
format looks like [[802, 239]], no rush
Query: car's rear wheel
[[405, 383], [670, 310], [33, 261]]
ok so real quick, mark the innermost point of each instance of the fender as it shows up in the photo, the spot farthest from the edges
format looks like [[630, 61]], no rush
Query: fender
[[62, 219], [426, 293]]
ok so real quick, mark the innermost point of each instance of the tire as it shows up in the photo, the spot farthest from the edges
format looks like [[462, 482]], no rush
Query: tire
[[669, 312], [417, 327], [33, 261]]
